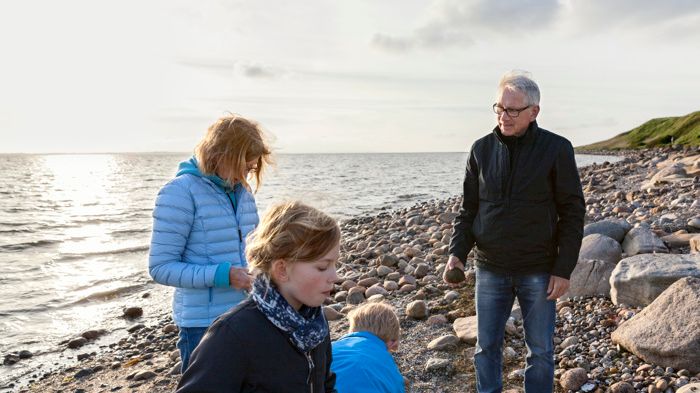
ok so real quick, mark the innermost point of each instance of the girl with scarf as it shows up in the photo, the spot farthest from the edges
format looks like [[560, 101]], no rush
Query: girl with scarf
[[200, 223], [278, 339]]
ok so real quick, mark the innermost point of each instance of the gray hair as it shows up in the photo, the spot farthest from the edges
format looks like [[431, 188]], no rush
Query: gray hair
[[522, 82]]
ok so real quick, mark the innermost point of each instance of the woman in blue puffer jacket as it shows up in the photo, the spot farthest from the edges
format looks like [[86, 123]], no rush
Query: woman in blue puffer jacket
[[200, 222]]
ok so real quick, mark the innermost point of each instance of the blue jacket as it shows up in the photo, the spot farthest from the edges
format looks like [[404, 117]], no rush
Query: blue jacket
[[363, 364], [199, 229]]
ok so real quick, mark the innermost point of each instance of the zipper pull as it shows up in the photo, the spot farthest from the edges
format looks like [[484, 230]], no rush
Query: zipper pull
[[240, 234]]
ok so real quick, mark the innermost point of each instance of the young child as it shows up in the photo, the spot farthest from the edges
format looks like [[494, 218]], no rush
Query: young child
[[200, 222], [361, 359], [278, 339]]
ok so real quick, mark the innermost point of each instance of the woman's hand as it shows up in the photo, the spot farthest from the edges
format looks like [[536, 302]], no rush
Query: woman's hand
[[239, 278]]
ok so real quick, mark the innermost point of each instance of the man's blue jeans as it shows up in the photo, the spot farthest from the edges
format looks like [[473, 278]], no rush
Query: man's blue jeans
[[495, 294], [189, 338]]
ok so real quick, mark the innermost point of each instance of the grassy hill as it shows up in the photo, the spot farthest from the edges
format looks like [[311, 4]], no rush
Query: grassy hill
[[682, 130]]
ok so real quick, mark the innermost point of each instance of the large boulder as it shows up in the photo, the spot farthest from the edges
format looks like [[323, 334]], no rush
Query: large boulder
[[590, 278], [600, 247], [638, 280], [641, 240], [614, 228], [667, 332]]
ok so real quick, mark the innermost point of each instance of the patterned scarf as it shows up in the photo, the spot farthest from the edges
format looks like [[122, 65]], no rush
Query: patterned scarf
[[306, 328]]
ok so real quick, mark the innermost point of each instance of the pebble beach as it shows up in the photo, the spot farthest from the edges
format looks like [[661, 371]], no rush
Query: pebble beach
[[651, 197]]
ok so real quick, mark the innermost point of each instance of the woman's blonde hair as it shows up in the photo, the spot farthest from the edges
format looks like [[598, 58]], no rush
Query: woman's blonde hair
[[377, 318], [229, 144], [291, 231]]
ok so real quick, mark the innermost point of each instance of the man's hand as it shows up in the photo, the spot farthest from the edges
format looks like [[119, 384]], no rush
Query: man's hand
[[240, 278], [557, 287], [452, 263]]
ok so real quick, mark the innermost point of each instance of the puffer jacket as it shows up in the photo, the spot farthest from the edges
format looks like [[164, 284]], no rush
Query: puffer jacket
[[524, 215], [197, 237]]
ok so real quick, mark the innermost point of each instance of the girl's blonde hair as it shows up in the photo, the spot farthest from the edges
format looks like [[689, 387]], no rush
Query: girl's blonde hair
[[229, 144], [291, 231], [377, 318]]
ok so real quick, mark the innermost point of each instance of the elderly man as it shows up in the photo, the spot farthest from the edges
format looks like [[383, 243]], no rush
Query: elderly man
[[523, 210]]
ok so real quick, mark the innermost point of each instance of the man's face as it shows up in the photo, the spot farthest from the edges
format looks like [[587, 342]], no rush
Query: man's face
[[513, 101]]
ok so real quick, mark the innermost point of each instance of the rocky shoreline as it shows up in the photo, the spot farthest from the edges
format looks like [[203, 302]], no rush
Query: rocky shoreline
[[399, 256]]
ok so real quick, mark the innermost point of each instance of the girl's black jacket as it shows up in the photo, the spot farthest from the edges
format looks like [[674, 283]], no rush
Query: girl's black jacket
[[524, 213], [244, 352]]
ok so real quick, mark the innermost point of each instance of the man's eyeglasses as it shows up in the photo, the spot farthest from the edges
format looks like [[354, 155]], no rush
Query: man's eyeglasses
[[512, 112]]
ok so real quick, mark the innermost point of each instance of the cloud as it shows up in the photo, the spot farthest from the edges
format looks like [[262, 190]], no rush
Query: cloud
[[460, 23], [247, 69], [627, 13], [258, 71], [456, 23]]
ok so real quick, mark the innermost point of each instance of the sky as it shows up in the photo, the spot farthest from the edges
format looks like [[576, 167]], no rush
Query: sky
[[331, 76]]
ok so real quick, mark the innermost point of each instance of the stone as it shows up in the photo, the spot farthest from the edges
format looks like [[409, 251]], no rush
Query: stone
[[93, 334], [417, 309], [677, 240], [638, 280], [391, 285], [144, 375], [694, 222], [365, 282], [10, 359], [437, 319], [387, 260], [170, 328], [132, 312], [454, 276], [407, 279], [356, 295], [375, 289], [690, 388], [77, 342], [445, 342], [446, 218], [667, 331], [466, 328], [437, 364], [590, 278], [621, 387], [421, 270], [613, 228], [600, 247], [384, 270], [694, 243], [573, 379], [642, 240], [331, 314]]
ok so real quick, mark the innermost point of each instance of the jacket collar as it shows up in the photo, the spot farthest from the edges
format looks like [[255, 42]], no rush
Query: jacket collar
[[530, 134]]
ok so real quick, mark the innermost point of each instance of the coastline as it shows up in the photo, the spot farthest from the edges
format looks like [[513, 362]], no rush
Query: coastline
[[146, 359]]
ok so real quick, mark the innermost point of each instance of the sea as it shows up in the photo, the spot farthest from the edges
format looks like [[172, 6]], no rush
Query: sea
[[75, 232]]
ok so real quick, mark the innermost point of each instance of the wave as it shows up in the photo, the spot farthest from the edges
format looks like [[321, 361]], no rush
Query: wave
[[131, 231], [406, 197], [108, 294], [125, 250], [27, 245]]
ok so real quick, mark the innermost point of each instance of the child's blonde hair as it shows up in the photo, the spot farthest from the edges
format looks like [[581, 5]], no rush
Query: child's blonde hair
[[291, 231], [377, 318], [230, 143]]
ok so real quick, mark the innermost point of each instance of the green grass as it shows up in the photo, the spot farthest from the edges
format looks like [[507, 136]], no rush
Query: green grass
[[682, 130]]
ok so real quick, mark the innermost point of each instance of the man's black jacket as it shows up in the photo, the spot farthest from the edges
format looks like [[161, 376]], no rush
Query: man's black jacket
[[244, 352], [523, 219]]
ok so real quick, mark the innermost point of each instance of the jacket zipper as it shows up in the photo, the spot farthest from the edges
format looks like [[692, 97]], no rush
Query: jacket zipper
[[309, 379], [238, 227]]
